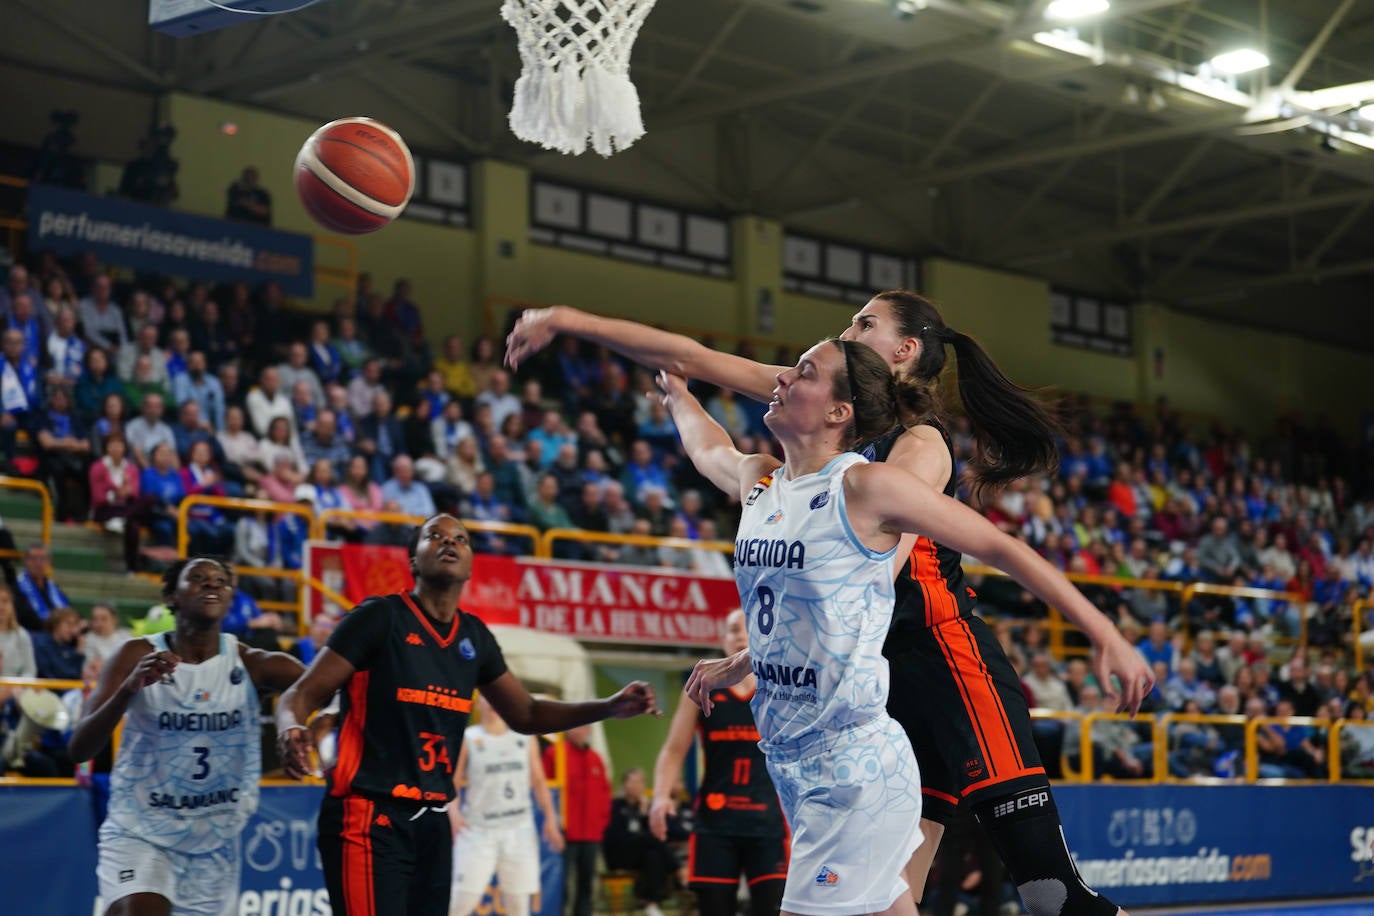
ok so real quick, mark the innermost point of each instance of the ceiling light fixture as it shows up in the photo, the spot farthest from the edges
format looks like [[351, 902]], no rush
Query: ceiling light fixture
[[1367, 112], [1066, 10], [1241, 60], [905, 9]]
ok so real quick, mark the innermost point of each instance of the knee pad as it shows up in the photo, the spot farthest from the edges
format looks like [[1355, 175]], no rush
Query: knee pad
[[1029, 838]]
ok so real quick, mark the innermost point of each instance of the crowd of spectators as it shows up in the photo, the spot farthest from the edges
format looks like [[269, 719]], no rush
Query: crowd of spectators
[[126, 397]]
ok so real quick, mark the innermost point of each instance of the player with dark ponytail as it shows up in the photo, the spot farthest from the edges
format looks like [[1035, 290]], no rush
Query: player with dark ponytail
[[952, 688]]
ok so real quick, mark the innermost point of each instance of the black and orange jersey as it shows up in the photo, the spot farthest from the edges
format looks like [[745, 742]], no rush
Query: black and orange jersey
[[931, 587], [403, 712], [736, 797]]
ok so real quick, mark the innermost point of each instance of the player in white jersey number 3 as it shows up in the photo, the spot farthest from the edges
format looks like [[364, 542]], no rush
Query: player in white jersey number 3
[[493, 833], [813, 564], [185, 780]]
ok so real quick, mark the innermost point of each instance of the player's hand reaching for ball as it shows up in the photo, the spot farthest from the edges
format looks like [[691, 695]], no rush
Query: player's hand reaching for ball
[[634, 699], [293, 746], [534, 330], [152, 668], [671, 385]]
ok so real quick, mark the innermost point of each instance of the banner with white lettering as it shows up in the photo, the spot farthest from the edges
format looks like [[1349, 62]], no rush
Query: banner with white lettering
[[1167, 844], [144, 237], [44, 825], [597, 601]]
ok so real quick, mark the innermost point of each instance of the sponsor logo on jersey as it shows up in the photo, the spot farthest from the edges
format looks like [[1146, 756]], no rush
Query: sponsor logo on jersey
[[1035, 798], [774, 518], [820, 499], [383, 820], [733, 733], [870, 451], [826, 878], [236, 676], [192, 802], [715, 800], [201, 696], [126, 875], [785, 675], [774, 552], [974, 768], [414, 639], [437, 697], [466, 649], [199, 721], [764, 483], [401, 790]]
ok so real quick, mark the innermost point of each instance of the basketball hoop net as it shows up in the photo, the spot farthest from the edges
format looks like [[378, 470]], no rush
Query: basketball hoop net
[[574, 88]]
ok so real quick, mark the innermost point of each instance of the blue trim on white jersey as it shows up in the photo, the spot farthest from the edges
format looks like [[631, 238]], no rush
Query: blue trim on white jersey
[[843, 509]]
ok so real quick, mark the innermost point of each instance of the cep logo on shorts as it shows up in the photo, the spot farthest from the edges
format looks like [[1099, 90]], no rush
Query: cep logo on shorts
[[126, 875], [1033, 799], [825, 877]]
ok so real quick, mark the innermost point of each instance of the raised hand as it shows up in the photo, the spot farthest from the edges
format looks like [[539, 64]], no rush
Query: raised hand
[[152, 668], [533, 331]]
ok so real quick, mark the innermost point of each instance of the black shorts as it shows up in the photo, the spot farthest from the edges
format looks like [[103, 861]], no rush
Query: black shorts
[[962, 705], [379, 859], [717, 859]]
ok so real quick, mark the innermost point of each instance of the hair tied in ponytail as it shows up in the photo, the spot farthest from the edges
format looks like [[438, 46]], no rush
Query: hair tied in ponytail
[[942, 334]]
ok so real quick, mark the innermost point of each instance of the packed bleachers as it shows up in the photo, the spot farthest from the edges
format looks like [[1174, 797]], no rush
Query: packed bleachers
[[126, 395]]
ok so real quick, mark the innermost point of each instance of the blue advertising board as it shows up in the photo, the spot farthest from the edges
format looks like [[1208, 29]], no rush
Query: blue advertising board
[[42, 827], [1166, 844], [144, 237]]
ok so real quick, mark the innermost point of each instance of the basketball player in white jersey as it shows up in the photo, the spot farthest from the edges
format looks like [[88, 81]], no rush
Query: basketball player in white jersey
[[185, 780], [813, 564], [494, 834]]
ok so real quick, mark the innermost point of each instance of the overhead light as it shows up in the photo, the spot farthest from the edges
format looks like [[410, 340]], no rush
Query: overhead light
[[1241, 60], [1067, 40], [905, 9], [1065, 10], [1367, 112]]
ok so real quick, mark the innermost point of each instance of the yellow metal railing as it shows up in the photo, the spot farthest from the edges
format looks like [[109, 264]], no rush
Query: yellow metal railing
[[1164, 738], [1085, 748], [1055, 623], [1356, 628], [328, 517], [1252, 727], [26, 485], [1333, 750], [552, 535], [1238, 591], [1070, 773]]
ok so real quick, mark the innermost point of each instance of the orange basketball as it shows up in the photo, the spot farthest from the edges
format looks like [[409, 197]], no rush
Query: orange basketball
[[354, 175]]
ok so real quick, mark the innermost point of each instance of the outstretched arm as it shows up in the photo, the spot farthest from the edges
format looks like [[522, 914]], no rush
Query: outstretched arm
[[669, 763], [134, 667], [531, 715], [647, 346], [708, 444], [326, 676], [883, 498]]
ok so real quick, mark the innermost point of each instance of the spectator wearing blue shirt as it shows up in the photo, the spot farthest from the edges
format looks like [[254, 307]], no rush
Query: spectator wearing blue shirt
[[250, 623], [309, 645], [65, 452], [57, 651], [161, 490], [380, 436], [1158, 645], [290, 531], [198, 385], [21, 394], [323, 443], [641, 471], [65, 351], [36, 595], [485, 505], [22, 318], [409, 493], [324, 356], [553, 433]]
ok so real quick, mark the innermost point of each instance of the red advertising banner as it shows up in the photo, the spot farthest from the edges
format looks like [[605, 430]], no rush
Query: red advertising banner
[[591, 601]]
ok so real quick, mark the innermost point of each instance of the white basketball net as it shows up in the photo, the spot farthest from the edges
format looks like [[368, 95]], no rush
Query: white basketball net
[[574, 88]]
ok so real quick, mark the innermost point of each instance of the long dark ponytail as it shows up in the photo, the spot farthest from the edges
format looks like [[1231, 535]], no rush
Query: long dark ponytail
[[1015, 433]]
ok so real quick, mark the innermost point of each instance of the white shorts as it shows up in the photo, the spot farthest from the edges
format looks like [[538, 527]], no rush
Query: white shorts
[[853, 800], [510, 853], [204, 884]]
